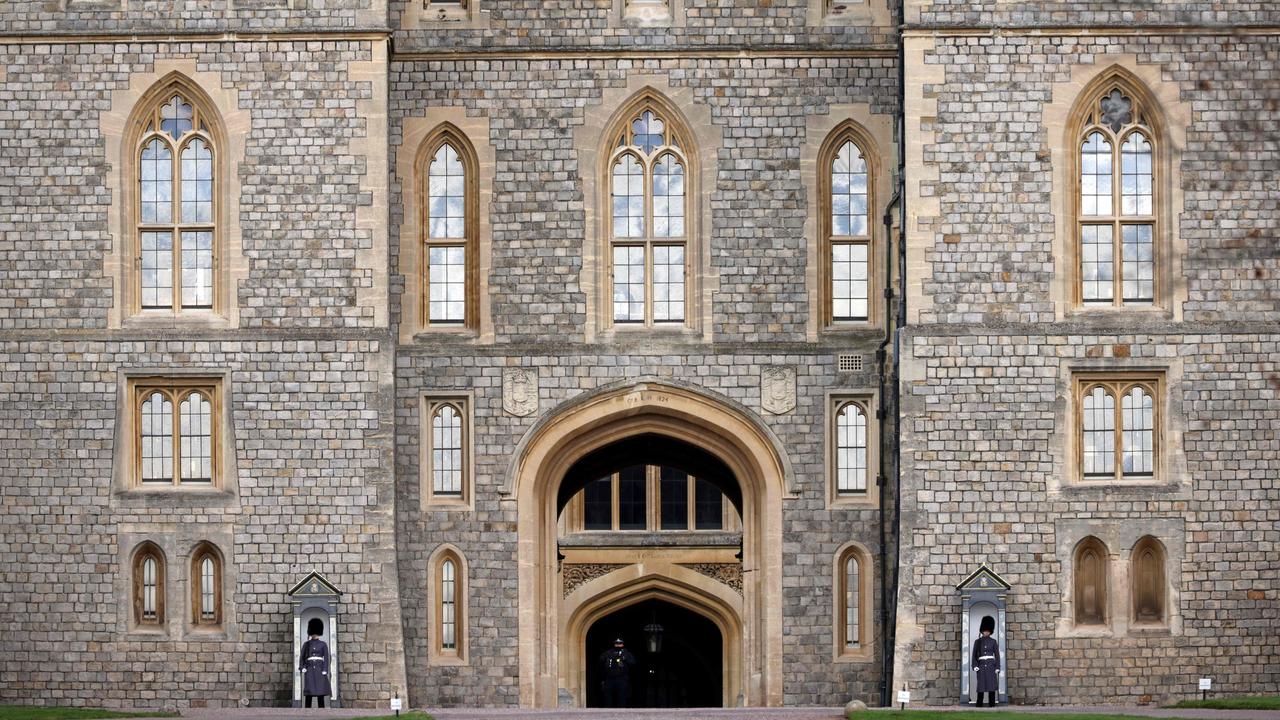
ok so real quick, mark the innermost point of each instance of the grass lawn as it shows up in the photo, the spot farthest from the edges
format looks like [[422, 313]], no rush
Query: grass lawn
[[411, 715], [28, 712], [979, 715], [1234, 703]]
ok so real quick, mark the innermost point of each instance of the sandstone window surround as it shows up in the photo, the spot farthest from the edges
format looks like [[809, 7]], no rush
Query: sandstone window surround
[[176, 431], [445, 15], [447, 451], [865, 13], [852, 593], [1119, 427], [148, 587], [206, 586], [174, 140], [450, 208], [853, 449], [647, 13], [1116, 135], [447, 608], [648, 219], [649, 498], [1119, 575]]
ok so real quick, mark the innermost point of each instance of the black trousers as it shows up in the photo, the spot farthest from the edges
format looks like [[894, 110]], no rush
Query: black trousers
[[616, 691], [320, 698], [992, 702]]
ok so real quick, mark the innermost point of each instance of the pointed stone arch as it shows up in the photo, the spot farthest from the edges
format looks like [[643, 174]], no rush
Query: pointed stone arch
[[715, 425]]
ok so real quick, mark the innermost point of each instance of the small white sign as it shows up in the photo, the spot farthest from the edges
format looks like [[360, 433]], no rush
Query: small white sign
[[1206, 683], [397, 703], [904, 696]]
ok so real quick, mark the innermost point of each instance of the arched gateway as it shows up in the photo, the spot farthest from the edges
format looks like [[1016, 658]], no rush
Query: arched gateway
[[659, 423]]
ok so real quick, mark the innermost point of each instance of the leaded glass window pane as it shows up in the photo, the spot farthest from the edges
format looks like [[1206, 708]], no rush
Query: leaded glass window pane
[[446, 451], [157, 439], [851, 605], [851, 449], [197, 182], [1099, 433], [197, 269], [156, 183], [708, 508], [1135, 175], [1138, 432], [597, 504], [175, 117], [668, 198], [1095, 176], [447, 183], [849, 281], [448, 606], [673, 490], [207, 609], [628, 198], [150, 592], [628, 283], [849, 193], [447, 288], [1097, 266], [196, 423], [1139, 265], [631, 498], [668, 283], [647, 131], [157, 269]]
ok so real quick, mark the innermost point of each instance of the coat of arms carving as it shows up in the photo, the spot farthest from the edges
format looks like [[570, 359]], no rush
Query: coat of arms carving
[[778, 389], [519, 391]]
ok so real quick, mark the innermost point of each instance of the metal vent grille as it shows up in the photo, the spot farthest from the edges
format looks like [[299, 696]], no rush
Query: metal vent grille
[[849, 362]]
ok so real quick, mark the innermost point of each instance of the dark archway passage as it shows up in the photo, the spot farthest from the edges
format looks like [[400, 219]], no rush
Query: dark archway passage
[[686, 672]]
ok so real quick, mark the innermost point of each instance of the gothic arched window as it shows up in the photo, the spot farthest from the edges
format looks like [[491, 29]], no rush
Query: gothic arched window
[[853, 601], [851, 449], [206, 585], [650, 181], [1148, 581], [1118, 201], [177, 178], [148, 585], [449, 605], [450, 208], [1118, 429], [176, 432], [1090, 582], [848, 227]]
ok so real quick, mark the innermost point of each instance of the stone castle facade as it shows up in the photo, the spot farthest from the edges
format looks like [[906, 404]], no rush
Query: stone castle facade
[[363, 302]]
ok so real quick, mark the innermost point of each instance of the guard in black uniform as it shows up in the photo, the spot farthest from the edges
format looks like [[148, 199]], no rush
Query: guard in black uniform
[[314, 664], [617, 663], [986, 661]]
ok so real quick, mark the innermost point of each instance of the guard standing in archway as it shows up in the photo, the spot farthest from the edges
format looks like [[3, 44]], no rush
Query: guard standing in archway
[[617, 663], [986, 661], [314, 662]]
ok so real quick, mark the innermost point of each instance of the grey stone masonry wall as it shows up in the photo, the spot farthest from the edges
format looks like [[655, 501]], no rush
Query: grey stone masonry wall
[[811, 532], [990, 354], [64, 17], [1091, 13]]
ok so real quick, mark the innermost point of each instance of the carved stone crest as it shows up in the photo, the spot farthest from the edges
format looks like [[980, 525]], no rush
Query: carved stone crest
[[778, 389], [519, 391], [581, 573]]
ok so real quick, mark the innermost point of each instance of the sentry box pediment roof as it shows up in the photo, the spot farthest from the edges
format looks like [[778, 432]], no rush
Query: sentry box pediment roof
[[984, 579], [314, 585]]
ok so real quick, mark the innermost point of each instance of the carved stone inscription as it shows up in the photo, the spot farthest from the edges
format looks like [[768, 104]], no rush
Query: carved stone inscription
[[520, 391], [778, 389]]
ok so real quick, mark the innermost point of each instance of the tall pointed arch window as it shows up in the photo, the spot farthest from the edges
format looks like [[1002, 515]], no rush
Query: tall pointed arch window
[[1148, 582], [206, 586], [851, 449], [148, 585], [1089, 589], [177, 169], [446, 451], [1119, 428], [1118, 200], [450, 209], [650, 183], [846, 175], [176, 432], [449, 606], [852, 602]]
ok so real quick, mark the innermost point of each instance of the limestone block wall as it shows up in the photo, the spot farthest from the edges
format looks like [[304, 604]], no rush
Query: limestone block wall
[[991, 348], [67, 17], [1091, 13], [305, 371]]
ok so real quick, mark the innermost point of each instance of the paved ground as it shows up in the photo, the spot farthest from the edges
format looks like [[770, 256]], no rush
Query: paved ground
[[702, 714]]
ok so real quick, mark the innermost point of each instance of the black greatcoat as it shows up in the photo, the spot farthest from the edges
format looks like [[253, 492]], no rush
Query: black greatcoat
[[986, 658], [315, 668]]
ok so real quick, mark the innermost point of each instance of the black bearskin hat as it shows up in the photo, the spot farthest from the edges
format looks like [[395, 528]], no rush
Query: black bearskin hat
[[316, 627], [988, 624]]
